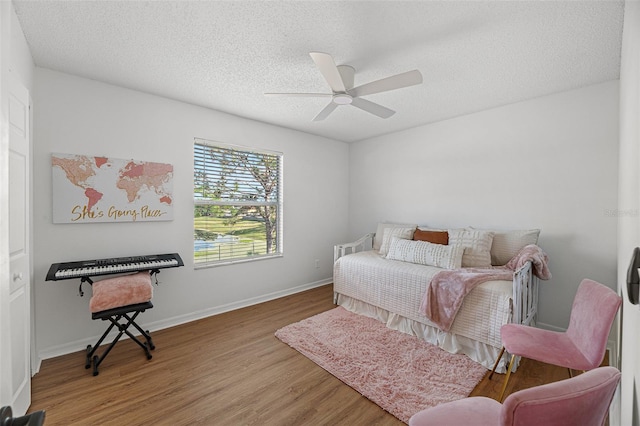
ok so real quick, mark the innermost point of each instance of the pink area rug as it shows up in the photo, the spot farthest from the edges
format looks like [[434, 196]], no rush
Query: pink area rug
[[400, 373]]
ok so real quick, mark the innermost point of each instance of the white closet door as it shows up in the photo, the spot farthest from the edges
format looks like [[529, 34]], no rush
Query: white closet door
[[19, 300]]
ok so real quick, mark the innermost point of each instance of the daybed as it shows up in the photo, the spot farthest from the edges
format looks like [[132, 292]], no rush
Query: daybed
[[383, 276]]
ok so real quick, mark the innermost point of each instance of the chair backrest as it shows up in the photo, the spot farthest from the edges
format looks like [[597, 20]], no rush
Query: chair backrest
[[592, 314], [582, 400]]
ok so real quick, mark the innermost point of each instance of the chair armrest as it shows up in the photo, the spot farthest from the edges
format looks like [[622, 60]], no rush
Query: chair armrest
[[340, 250]]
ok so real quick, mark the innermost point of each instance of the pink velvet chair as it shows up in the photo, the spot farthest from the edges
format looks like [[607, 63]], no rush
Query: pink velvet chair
[[582, 400], [581, 347]]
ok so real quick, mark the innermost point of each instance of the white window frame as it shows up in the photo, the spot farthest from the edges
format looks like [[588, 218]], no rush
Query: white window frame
[[199, 201]]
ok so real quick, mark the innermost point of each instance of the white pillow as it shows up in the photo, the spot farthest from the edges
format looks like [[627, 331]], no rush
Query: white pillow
[[425, 253], [476, 244], [507, 244], [389, 233], [377, 239]]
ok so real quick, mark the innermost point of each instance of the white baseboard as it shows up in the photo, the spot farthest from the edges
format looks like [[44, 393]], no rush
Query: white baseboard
[[549, 327], [77, 345]]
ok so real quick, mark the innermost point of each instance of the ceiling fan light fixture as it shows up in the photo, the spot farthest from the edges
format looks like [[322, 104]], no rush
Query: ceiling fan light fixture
[[342, 99]]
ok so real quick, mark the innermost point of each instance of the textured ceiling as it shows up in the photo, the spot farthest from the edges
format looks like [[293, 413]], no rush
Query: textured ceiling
[[225, 54]]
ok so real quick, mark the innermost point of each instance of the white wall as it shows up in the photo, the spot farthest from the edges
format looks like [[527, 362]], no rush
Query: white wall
[[548, 163], [80, 116], [21, 64], [629, 202]]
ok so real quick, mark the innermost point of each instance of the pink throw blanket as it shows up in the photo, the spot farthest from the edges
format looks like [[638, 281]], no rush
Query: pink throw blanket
[[121, 291], [539, 261], [447, 289]]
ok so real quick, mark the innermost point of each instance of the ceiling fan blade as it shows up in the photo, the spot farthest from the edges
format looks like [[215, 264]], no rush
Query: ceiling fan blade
[[373, 108], [406, 79], [329, 70], [299, 95], [325, 112]]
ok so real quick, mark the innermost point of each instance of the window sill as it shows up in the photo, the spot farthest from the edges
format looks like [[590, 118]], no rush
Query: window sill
[[214, 264]]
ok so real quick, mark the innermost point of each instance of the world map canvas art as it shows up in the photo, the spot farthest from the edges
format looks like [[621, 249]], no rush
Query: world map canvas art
[[99, 189]]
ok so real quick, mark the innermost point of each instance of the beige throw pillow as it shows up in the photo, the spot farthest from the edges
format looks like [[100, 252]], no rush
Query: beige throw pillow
[[377, 239], [476, 244], [389, 233], [506, 244]]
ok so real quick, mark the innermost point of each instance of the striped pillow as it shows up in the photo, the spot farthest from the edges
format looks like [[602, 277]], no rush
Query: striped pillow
[[476, 244], [506, 244], [383, 226], [425, 253], [399, 232]]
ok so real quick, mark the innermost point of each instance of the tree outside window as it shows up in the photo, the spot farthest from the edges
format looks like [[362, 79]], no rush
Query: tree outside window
[[237, 203]]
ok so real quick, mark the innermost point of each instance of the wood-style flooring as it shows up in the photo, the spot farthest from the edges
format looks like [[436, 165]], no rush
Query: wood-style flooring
[[228, 369]]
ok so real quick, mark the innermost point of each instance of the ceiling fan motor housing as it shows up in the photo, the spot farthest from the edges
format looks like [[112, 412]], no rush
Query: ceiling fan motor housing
[[342, 99]]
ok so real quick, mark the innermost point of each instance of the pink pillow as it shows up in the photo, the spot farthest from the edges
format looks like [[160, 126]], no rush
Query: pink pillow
[[121, 291]]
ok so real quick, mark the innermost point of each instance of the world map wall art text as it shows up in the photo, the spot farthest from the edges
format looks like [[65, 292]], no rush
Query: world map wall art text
[[99, 189]]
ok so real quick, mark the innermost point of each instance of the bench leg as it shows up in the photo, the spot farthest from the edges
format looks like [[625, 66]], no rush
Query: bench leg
[[95, 360], [91, 351], [146, 335]]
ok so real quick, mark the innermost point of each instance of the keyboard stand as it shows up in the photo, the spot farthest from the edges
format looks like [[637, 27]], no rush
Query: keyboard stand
[[82, 281], [120, 300], [122, 318]]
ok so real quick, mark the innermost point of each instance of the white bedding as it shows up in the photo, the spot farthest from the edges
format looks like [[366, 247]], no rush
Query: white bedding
[[398, 287]]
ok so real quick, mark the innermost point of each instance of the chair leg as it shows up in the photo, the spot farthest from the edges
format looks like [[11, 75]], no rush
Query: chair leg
[[497, 362], [570, 373], [506, 379]]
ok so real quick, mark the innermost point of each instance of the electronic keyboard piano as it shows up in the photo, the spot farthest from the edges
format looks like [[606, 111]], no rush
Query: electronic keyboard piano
[[89, 268]]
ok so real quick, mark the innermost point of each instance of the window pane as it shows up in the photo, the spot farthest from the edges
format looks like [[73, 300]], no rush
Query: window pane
[[237, 203], [227, 175]]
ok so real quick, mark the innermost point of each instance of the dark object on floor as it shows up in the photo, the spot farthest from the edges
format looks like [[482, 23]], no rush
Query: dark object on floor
[[34, 419]]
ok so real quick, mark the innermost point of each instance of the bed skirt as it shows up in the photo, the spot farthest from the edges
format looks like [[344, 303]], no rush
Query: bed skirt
[[480, 352]]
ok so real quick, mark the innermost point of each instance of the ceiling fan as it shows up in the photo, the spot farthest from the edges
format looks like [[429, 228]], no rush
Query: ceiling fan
[[340, 80]]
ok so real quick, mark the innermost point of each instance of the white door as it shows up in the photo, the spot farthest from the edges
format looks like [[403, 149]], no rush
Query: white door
[[629, 201], [19, 300], [627, 411]]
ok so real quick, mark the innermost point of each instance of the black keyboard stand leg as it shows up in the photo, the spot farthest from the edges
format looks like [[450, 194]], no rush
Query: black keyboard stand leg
[[146, 335], [131, 321], [96, 360], [92, 350], [122, 320]]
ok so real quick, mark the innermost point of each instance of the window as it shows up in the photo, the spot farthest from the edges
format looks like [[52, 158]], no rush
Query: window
[[237, 196]]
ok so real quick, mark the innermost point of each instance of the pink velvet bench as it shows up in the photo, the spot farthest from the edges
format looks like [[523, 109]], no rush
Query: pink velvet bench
[[120, 300]]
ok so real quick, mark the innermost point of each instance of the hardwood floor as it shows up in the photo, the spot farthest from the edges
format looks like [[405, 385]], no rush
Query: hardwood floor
[[224, 370]]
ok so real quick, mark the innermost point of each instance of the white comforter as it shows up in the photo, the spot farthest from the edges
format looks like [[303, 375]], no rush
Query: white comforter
[[399, 287]]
